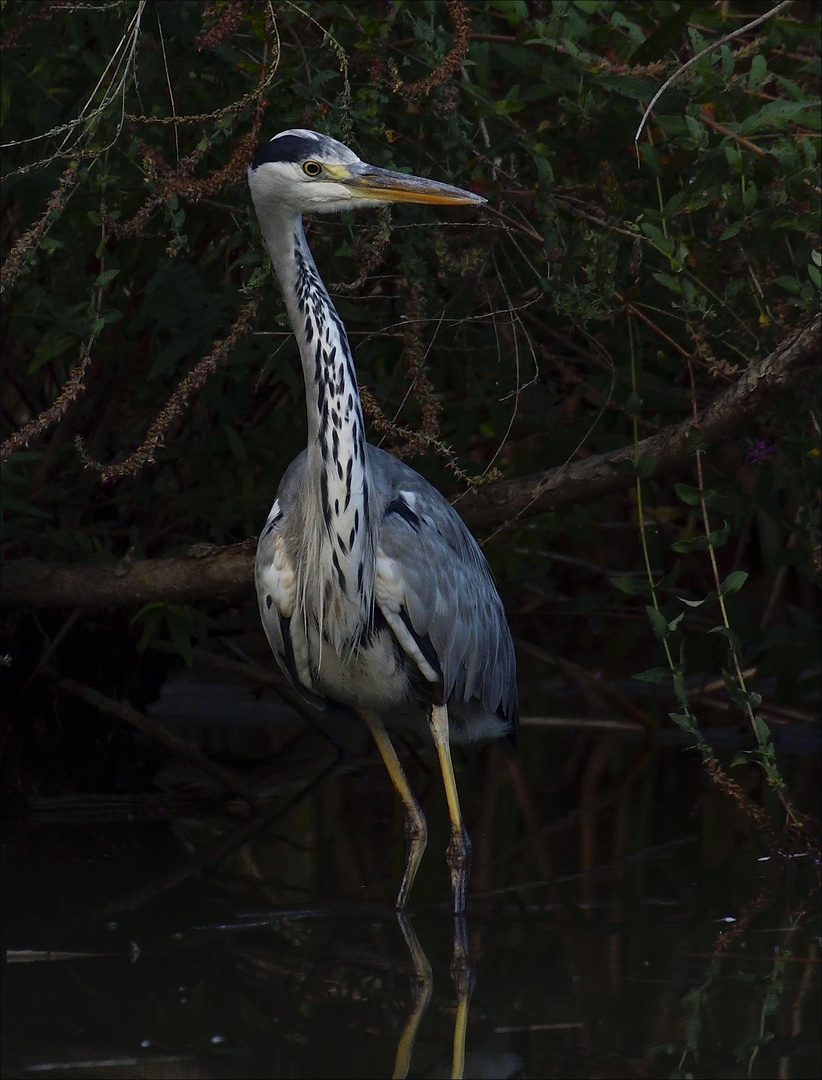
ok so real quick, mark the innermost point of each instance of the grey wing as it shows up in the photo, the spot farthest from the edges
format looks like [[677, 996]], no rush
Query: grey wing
[[431, 568]]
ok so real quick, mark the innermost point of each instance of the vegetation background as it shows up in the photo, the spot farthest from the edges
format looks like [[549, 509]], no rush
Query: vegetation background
[[612, 289]]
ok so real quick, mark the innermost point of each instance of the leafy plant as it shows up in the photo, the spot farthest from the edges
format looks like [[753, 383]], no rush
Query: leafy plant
[[611, 291]]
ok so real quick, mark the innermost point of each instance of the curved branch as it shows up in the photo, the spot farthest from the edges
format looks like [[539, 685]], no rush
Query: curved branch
[[500, 504], [226, 572]]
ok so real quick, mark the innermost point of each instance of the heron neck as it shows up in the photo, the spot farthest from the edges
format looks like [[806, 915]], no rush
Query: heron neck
[[337, 479], [327, 360]]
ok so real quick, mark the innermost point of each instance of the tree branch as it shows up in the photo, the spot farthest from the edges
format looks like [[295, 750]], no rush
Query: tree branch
[[580, 481], [226, 572]]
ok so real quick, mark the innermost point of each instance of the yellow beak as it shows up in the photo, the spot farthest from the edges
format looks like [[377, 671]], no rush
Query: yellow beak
[[366, 181]]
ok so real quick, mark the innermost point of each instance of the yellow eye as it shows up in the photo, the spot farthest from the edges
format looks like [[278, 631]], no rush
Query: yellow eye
[[312, 168]]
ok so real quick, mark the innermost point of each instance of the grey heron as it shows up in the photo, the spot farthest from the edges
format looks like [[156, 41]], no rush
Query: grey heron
[[373, 594]]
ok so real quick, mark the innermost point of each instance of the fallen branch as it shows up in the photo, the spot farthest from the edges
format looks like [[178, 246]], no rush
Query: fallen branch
[[225, 573]]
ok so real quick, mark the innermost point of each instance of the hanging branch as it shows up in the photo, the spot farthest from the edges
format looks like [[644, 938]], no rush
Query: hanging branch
[[28, 243], [75, 385], [190, 384]]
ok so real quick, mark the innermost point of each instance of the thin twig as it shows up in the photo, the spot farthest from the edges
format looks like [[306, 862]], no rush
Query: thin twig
[[690, 63]]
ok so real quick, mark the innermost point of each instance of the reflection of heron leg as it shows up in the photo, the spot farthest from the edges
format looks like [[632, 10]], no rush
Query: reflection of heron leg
[[422, 990], [416, 830], [462, 972], [458, 853]]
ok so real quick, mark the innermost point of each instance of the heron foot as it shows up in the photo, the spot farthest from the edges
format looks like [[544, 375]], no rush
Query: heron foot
[[458, 857], [416, 841]]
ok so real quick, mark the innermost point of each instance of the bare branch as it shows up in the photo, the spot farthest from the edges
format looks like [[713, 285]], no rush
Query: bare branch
[[227, 572], [708, 49]]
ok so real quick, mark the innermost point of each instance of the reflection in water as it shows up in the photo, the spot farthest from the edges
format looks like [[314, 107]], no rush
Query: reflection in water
[[462, 972], [201, 982], [626, 921], [422, 989]]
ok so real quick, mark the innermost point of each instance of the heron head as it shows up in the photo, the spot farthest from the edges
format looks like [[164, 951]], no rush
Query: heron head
[[306, 172]]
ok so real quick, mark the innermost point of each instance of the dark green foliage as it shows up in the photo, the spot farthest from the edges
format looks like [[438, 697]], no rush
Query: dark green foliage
[[586, 309]]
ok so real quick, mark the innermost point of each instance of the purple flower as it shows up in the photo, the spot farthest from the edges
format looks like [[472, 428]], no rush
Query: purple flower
[[757, 453]]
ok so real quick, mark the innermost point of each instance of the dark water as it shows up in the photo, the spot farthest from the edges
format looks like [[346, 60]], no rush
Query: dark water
[[626, 920]]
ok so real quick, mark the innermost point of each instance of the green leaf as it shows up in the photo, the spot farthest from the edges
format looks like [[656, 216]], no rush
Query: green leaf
[[744, 757], [790, 284], [630, 585], [658, 238], [545, 174], [680, 687], [687, 547], [776, 114], [653, 675], [673, 204], [672, 283], [666, 36], [695, 603], [804, 223], [719, 536], [696, 440], [758, 72], [658, 622], [688, 494], [684, 721], [508, 106], [733, 582], [761, 730], [735, 692], [628, 86], [732, 230], [732, 637], [623, 465], [106, 277]]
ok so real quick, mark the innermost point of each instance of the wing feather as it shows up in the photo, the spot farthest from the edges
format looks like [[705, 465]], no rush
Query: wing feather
[[433, 568]]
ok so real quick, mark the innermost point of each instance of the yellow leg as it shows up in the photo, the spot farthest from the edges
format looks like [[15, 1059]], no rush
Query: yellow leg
[[416, 830], [423, 988], [462, 972], [458, 852], [460, 1028]]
